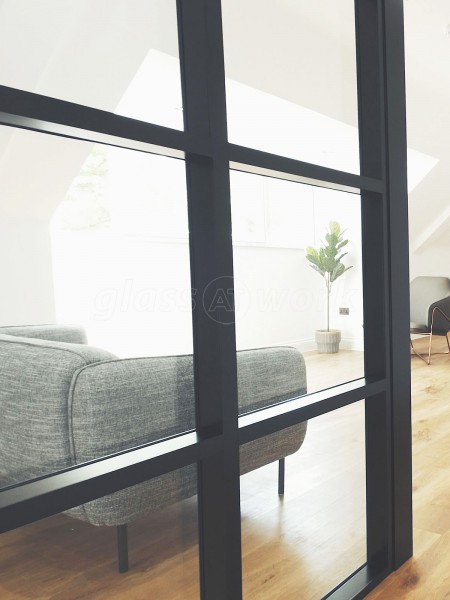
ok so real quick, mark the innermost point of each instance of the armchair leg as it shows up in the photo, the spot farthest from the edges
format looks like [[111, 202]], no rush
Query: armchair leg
[[428, 359], [419, 355], [441, 314], [281, 477], [429, 348], [122, 548]]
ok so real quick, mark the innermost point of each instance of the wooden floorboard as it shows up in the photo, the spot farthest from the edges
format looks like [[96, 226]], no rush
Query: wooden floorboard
[[297, 547]]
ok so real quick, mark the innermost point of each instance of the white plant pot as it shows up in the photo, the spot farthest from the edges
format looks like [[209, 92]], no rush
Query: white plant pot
[[328, 341]]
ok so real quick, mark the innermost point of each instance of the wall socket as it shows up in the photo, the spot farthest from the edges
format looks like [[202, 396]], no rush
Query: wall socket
[[344, 311]]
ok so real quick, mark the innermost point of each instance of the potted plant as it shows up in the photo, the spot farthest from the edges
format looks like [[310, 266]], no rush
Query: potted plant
[[327, 261]]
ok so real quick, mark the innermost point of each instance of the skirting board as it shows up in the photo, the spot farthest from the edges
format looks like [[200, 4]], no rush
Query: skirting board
[[309, 344]]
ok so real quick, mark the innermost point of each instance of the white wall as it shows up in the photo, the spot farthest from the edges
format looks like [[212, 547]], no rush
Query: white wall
[[35, 173], [130, 287], [27, 296], [432, 261], [130, 284], [281, 300], [133, 295]]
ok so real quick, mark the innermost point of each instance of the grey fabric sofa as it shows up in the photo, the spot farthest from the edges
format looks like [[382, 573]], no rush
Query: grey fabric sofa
[[64, 403]]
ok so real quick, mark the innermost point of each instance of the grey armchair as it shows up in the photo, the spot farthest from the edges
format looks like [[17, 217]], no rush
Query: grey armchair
[[430, 310], [64, 403]]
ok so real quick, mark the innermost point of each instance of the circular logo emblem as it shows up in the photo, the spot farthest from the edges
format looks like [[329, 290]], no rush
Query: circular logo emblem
[[222, 301]]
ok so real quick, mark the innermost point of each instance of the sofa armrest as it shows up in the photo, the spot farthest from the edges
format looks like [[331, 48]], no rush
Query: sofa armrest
[[72, 334], [35, 378]]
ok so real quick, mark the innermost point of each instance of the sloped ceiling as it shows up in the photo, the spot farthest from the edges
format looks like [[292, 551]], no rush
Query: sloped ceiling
[[78, 50], [427, 41]]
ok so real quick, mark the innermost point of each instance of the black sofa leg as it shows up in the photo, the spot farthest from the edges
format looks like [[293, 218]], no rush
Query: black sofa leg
[[122, 548], [281, 477]]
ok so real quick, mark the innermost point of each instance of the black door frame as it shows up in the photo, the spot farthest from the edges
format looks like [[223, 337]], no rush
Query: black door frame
[[215, 443]]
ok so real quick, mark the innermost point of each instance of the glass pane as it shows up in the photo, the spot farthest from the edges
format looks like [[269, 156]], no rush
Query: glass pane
[[308, 540], [94, 242], [120, 253], [64, 556], [291, 79], [284, 314], [117, 56]]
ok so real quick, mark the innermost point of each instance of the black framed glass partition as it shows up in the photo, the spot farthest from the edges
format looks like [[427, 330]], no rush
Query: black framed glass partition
[[182, 254]]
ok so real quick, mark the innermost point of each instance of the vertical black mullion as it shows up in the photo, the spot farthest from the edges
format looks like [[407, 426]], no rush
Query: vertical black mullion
[[397, 194], [213, 308], [376, 283], [382, 123], [373, 205]]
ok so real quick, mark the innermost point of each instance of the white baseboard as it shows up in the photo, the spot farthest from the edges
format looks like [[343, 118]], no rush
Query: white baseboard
[[352, 344], [305, 345], [309, 344]]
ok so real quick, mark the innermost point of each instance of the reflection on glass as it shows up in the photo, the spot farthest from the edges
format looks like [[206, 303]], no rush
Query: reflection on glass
[[308, 540], [291, 79], [64, 556], [94, 255], [280, 300], [106, 54]]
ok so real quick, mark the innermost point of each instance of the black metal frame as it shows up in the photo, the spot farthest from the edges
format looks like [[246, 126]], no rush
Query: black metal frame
[[215, 444]]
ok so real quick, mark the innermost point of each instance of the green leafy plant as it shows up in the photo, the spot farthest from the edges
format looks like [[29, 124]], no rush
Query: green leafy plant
[[327, 260]]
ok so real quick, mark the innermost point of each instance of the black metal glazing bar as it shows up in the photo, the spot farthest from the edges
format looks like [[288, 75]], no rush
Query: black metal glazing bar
[[397, 196], [358, 585], [203, 84], [375, 283], [265, 160], [35, 500], [59, 117], [26, 110], [84, 135], [279, 416], [369, 52], [386, 279]]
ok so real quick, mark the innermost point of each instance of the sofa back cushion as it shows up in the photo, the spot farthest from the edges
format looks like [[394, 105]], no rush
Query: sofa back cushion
[[72, 334]]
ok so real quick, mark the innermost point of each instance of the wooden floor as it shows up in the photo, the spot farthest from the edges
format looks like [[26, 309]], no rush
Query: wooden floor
[[298, 547], [427, 574]]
